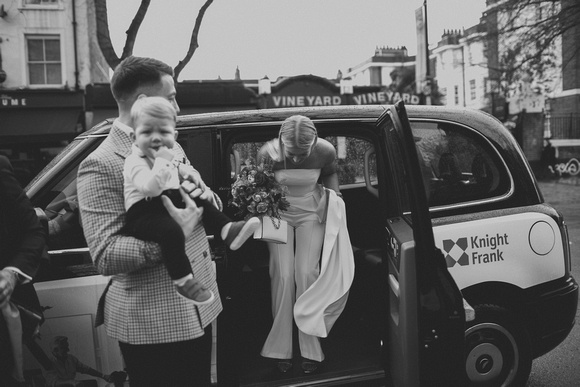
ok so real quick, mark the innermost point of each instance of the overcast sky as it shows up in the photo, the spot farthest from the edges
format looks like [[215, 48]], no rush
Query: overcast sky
[[282, 37]]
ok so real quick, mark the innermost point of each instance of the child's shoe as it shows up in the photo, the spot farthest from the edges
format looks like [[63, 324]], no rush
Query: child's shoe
[[193, 290], [239, 232]]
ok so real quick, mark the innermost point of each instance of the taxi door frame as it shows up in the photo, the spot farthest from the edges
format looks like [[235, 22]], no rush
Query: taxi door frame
[[426, 317]]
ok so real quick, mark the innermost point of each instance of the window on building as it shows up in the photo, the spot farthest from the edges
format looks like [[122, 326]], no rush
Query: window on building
[[44, 60], [484, 49], [40, 2], [456, 93], [485, 82], [472, 89]]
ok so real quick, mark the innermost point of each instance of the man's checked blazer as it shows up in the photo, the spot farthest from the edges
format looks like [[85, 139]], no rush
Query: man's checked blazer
[[141, 305]]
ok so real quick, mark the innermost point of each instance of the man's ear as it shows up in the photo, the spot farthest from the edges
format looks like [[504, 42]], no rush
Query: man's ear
[[132, 135], [176, 134], [140, 96]]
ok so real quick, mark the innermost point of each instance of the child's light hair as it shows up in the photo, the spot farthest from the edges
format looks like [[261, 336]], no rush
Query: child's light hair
[[157, 107]]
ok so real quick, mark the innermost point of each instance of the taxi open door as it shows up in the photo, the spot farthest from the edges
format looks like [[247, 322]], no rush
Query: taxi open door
[[426, 317]]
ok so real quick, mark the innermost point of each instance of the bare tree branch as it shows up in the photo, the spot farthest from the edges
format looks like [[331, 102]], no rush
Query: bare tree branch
[[104, 38], [193, 45], [528, 34], [134, 28]]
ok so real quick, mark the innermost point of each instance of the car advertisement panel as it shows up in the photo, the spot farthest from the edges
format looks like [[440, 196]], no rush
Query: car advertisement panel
[[497, 249]]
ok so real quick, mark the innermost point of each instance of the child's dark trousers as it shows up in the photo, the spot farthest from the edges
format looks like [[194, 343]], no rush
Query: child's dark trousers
[[149, 220]]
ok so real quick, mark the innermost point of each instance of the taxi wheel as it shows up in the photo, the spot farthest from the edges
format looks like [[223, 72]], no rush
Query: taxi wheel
[[498, 350]]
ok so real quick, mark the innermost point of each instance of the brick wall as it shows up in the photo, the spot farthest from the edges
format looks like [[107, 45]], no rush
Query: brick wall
[[563, 106], [570, 54]]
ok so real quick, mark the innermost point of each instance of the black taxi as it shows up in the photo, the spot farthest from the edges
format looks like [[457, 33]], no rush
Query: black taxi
[[462, 271]]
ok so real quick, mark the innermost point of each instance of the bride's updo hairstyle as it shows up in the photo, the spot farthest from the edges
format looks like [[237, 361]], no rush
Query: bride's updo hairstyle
[[297, 131]]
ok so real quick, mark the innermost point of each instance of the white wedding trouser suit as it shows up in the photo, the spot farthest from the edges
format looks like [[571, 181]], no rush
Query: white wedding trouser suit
[[294, 266]]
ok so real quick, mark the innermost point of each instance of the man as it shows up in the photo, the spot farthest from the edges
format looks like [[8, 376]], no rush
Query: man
[[165, 339], [22, 241]]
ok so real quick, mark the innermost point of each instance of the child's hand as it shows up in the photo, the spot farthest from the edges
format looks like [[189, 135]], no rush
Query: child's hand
[[165, 152], [188, 186]]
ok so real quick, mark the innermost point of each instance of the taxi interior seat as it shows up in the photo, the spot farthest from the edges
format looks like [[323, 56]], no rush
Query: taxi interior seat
[[449, 171], [482, 174], [449, 184]]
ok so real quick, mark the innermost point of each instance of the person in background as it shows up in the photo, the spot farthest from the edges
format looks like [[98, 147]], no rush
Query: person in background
[[152, 169], [22, 242], [301, 161], [165, 339], [65, 367], [548, 158]]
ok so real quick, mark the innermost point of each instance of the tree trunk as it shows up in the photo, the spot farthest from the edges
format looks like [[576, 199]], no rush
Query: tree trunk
[[103, 36]]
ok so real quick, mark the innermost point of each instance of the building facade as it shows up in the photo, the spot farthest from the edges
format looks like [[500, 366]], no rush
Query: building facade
[[462, 73], [48, 55], [54, 82], [563, 109], [391, 71]]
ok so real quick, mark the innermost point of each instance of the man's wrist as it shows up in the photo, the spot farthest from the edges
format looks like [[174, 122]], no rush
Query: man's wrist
[[12, 276]]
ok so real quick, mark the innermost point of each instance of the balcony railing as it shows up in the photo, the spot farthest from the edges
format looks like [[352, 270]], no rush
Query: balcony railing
[[567, 127]]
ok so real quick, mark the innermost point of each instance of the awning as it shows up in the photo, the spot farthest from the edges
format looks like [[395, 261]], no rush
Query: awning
[[41, 113], [39, 122]]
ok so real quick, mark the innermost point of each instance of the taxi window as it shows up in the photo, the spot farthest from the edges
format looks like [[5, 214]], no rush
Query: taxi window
[[460, 165], [356, 160], [356, 165], [68, 253], [67, 248]]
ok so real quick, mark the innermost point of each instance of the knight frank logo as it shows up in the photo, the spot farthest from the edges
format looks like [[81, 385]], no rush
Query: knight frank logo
[[456, 249], [482, 249]]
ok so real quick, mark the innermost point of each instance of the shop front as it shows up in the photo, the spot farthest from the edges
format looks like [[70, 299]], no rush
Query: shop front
[[192, 97], [36, 124], [310, 90]]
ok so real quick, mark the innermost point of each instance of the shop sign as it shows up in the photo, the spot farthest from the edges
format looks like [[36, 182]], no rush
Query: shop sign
[[385, 97], [46, 99], [305, 100], [8, 101]]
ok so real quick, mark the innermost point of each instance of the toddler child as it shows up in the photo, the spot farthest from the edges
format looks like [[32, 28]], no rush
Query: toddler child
[[153, 169]]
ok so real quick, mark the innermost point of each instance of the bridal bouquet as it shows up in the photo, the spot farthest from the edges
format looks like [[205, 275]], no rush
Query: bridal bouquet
[[257, 193]]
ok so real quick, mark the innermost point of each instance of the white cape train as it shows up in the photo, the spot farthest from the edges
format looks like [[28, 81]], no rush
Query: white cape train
[[317, 309]]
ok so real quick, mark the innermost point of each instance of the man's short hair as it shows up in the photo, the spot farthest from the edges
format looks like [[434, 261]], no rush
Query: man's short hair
[[134, 72]]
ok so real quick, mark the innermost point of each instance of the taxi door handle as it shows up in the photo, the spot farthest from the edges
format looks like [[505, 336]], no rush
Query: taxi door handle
[[394, 284]]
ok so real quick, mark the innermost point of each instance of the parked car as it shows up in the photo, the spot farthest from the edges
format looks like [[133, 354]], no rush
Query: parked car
[[442, 207]]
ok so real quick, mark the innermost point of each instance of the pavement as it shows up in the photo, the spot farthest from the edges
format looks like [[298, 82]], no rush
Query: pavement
[[570, 180], [562, 190]]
